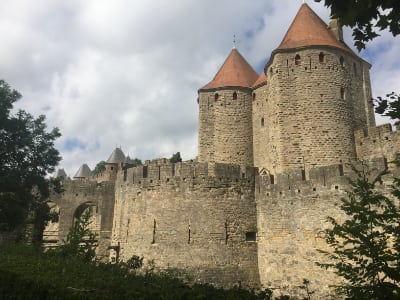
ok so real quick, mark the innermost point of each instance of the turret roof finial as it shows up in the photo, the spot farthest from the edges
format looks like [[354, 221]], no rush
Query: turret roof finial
[[234, 41]]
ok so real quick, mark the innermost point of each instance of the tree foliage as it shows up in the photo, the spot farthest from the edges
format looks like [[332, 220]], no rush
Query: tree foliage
[[27, 155], [176, 157], [80, 242], [366, 246], [389, 106], [99, 168], [366, 17]]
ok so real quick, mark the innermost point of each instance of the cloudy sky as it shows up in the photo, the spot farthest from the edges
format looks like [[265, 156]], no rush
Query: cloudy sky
[[126, 73]]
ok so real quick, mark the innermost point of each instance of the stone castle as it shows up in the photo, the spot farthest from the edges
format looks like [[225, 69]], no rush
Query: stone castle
[[274, 160]]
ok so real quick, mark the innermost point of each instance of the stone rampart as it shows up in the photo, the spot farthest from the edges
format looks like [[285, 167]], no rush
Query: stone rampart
[[196, 217], [379, 141], [291, 218]]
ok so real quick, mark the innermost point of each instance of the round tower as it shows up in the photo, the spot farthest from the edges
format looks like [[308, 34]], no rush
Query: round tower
[[225, 113], [318, 95]]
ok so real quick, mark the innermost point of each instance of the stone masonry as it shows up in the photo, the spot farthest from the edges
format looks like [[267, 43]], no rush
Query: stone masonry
[[275, 156]]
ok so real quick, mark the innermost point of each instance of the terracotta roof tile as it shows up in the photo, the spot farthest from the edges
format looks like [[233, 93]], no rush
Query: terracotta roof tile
[[308, 29], [235, 72], [261, 80]]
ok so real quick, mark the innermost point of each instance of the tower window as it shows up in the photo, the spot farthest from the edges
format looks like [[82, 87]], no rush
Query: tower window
[[271, 71], [297, 60], [341, 60], [254, 96], [355, 68], [262, 122], [342, 93], [216, 96], [234, 96], [321, 57]]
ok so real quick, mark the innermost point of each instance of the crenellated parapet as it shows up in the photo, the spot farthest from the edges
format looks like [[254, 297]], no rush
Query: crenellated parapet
[[380, 141], [327, 178], [161, 172]]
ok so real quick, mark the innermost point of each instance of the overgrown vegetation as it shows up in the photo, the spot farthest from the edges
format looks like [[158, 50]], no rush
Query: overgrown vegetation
[[27, 273], [80, 242]]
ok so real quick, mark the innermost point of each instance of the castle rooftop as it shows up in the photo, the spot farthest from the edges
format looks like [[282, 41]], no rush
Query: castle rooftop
[[84, 171], [117, 156], [308, 29], [261, 80], [235, 72]]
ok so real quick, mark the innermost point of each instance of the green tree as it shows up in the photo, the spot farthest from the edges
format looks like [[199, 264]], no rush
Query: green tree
[[389, 106], [80, 242], [27, 155], [99, 168], [366, 246], [176, 157], [137, 162], [366, 17]]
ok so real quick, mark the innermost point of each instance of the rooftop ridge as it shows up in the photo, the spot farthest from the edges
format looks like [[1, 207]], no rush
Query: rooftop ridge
[[308, 29], [234, 72]]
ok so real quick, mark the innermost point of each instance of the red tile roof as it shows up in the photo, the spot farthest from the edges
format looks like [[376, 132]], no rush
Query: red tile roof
[[261, 80], [235, 72], [308, 29]]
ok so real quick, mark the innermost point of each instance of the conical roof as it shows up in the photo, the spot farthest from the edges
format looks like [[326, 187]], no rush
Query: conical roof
[[84, 171], [308, 29], [235, 72], [117, 156], [262, 79], [128, 161], [61, 173]]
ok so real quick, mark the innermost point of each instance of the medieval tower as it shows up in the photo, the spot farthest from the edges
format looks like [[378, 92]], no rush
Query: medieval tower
[[274, 161]]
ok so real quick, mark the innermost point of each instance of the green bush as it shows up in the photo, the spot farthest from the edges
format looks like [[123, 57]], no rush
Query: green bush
[[27, 273]]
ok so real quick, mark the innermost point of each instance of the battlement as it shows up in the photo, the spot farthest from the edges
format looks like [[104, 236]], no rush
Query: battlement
[[379, 141], [161, 171], [377, 132], [333, 177]]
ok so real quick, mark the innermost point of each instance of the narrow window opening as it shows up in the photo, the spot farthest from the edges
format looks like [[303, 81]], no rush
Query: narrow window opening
[[262, 122], [234, 96], [226, 232], [321, 57], [254, 96], [216, 96], [159, 172], [154, 232], [355, 68], [336, 187], [189, 234], [341, 60], [271, 71], [272, 179], [297, 60], [342, 93], [251, 236]]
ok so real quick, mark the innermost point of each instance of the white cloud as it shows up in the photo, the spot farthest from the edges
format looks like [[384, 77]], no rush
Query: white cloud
[[126, 73]]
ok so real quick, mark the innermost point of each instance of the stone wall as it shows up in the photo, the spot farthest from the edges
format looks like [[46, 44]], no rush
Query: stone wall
[[225, 126], [291, 219], [379, 141], [312, 108], [196, 217], [79, 195]]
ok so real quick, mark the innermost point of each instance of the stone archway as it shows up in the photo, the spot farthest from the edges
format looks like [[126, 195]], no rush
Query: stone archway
[[95, 218]]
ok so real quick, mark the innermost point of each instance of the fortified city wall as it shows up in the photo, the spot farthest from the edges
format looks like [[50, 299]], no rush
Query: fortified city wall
[[196, 217], [291, 219]]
